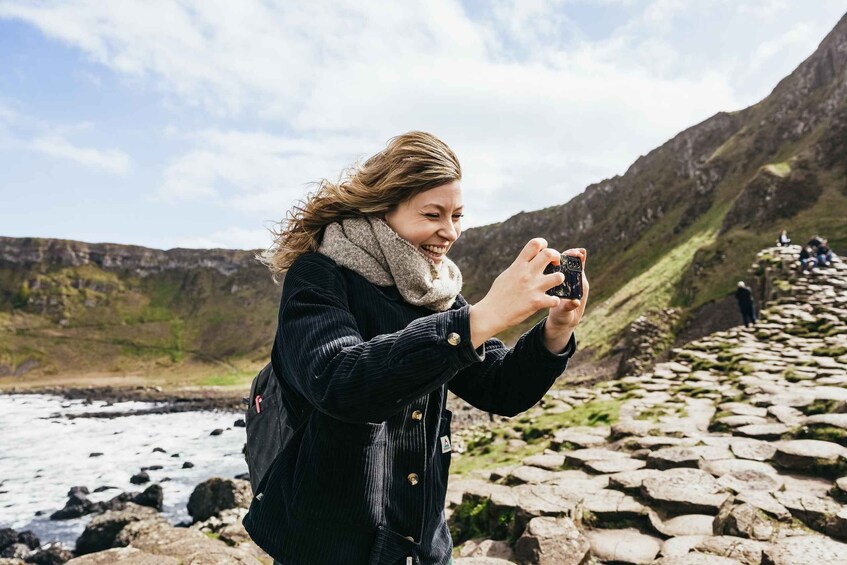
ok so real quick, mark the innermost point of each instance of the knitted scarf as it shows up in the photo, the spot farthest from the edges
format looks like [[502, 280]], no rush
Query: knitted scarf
[[371, 248]]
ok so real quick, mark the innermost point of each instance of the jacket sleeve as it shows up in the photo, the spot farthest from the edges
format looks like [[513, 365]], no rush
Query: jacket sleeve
[[326, 360], [510, 381]]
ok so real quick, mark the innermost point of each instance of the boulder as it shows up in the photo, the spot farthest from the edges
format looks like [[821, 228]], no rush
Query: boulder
[[552, 541], [52, 554], [152, 497], [216, 494], [684, 491], [742, 520], [101, 531], [486, 548], [626, 546], [124, 556], [806, 550]]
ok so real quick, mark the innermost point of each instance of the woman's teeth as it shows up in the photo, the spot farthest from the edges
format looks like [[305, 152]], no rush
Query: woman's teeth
[[434, 251]]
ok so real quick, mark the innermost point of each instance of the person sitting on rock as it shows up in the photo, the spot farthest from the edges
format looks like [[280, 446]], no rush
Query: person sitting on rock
[[744, 296], [807, 260], [824, 254], [814, 242], [783, 240]]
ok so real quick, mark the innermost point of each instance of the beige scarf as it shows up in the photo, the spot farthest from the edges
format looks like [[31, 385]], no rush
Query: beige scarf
[[371, 248]]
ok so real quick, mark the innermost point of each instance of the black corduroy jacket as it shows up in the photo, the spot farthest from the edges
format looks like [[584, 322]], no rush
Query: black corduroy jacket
[[365, 478]]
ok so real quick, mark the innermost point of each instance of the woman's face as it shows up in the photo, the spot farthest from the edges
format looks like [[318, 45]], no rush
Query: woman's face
[[430, 220]]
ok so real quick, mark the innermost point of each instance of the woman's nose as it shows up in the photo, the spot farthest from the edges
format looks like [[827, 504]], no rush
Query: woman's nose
[[450, 231]]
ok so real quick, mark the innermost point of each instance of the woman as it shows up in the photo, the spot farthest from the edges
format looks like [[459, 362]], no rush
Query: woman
[[372, 333]]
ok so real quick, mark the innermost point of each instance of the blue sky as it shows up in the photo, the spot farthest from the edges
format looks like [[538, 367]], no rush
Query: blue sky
[[198, 124]]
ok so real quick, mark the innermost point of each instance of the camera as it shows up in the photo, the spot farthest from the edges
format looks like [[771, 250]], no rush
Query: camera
[[571, 267]]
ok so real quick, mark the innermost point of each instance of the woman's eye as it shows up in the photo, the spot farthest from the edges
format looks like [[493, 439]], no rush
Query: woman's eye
[[431, 215], [457, 216]]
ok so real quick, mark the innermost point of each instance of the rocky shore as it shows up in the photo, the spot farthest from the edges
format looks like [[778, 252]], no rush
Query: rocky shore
[[732, 452], [129, 529]]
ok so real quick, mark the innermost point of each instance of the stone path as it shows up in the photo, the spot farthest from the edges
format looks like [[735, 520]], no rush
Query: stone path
[[735, 451]]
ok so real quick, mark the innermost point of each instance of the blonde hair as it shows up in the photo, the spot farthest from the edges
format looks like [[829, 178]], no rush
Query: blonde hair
[[410, 164]]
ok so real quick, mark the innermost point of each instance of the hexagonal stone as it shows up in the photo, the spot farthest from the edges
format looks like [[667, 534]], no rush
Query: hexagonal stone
[[766, 503], [486, 548], [552, 541], [787, 415], [742, 409], [626, 546], [811, 510], [841, 485], [746, 551], [743, 520], [632, 428], [751, 479], [526, 474], [736, 421], [630, 481], [681, 545], [531, 501], [684, 525], [754, 449], [806, 550], [656, 442], [570, 437], [806, 454], [580, 456], [684, 491], [697, 558], [721, 467], [834, 420], [614, 465], [762, 431], [549, 461], [609, 505], [670, 457]]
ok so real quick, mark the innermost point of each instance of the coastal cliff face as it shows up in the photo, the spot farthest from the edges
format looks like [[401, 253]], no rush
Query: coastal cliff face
[[68, 306], [677, 230], [142, 261]]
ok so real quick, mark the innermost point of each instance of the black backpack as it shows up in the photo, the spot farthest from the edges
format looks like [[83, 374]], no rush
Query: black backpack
[[270, 424]]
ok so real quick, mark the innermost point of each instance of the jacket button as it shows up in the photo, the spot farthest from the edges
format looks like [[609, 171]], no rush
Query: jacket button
[[410, 538], [413, 479], [417, 415], [453, 338]]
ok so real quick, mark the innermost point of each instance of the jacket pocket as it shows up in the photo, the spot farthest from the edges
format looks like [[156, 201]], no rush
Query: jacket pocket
[[390, 548], [340, 473]]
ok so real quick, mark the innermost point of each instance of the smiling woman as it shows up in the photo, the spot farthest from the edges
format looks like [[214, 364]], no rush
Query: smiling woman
[[373, 332]]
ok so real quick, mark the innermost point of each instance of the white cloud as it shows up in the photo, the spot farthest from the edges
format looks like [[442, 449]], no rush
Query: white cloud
[[534, 108], [110, 160], [22, 132]]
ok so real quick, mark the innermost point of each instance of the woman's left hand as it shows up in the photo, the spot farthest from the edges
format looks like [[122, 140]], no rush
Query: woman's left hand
[[566, 316]]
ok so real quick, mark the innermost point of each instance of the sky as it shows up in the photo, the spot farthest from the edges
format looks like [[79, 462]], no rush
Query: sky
[[200, 123]]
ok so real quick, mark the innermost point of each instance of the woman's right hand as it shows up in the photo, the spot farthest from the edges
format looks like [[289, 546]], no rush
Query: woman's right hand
[[517, 293]]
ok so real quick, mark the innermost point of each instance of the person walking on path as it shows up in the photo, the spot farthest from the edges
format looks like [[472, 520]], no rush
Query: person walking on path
[[744, 296], [373, 331]]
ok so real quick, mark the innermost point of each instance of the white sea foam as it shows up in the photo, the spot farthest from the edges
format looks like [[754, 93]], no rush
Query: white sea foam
[[43, 454]]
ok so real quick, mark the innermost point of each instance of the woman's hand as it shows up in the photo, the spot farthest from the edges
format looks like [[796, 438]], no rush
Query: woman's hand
[[563, 318], [518, 292]]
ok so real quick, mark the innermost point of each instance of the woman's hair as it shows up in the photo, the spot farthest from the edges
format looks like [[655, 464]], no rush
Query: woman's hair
[[410, 164]]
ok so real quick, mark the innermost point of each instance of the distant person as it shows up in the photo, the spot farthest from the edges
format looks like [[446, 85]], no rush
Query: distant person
[[814, 242], [808, 261], [824, 254], [744, 296], [783, 240]]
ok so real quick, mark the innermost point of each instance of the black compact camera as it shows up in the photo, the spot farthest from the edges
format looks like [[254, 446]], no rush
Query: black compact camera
[[571, 267]]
